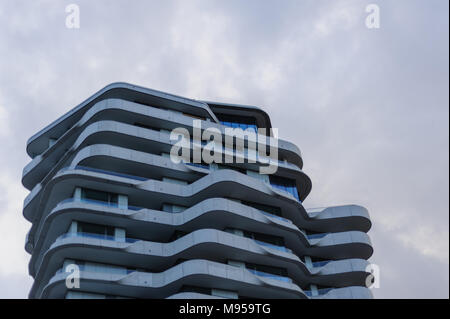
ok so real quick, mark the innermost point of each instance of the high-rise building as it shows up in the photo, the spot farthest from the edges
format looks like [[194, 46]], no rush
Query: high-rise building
[[115, 216]]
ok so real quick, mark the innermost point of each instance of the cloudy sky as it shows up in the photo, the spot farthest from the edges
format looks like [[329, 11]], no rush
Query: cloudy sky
[[368, 107]]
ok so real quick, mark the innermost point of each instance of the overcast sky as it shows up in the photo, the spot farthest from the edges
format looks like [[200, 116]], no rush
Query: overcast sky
[[368, 107]]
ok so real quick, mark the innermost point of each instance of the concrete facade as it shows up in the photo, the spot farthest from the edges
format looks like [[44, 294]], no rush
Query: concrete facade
[[106, 196]]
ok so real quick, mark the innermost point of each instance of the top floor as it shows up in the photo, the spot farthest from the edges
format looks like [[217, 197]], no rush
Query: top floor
[[226, 114]]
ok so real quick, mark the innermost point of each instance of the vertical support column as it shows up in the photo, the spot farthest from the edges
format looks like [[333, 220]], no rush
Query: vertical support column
[[73, 227], [308, 262], [119, 234], [122, 201], [314, 291], [77, 194]]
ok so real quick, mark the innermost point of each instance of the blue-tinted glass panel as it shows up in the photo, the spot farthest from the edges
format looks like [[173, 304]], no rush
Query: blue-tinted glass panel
[[243, 126], [285, 184]]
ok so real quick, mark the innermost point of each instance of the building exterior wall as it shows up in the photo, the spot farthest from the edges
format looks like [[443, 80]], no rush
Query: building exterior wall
[[106, 196]]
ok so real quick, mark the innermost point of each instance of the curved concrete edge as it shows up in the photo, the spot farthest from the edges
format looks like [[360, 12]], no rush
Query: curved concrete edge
[[45, 168], [176, 120], [187, 246], [360, 242], [157, 187], [161, 285], [342, 211], [165, 189], [191, 215], [203, 240], [182, 218], [341, 237], [182, 191], [178, 190], [70, 117], [341, 266]]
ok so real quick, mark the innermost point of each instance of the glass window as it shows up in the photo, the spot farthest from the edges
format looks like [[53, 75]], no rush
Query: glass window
[[243, 122], [267, 269], [95, 229], [275, 240], [285, 184], [99, 196]]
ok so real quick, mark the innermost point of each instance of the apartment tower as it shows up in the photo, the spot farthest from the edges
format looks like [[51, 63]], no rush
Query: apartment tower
[[114, 216]]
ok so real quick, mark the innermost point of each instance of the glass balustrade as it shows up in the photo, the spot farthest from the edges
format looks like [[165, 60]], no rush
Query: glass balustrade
[[198, 165], [96, 236], [280, 248], [320, 263], [268, 275], [100, 269], [243, 126], [98, 202], [316, 236], [275, 216], [98, 170], [320, 292]]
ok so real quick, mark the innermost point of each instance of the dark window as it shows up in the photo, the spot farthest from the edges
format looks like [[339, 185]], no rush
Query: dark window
[[146, 126], [92, 194], [179, 261], [177, 234], [275, 240], [95, 229], [285, 184], [269, 209], [267, 269]]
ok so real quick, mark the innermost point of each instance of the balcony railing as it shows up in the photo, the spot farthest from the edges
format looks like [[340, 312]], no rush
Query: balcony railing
[[275, 216], [96, 236], [320, 292], [268, 275], [243, 126], [316, 236], [103, 269], [280, 248], [292, 190], [320, 263], [98, 202], [204, 166], [98, 170]]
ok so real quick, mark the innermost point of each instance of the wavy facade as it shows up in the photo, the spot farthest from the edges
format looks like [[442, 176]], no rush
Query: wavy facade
[[106, 196]]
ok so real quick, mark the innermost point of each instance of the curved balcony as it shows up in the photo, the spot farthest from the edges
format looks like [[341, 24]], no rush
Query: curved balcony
[[225, 213], [180, 230], [189, 194], [167, 283], [119, 90], [106, 111]]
